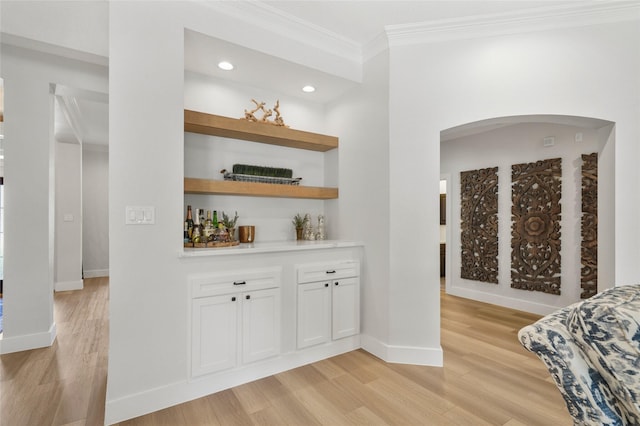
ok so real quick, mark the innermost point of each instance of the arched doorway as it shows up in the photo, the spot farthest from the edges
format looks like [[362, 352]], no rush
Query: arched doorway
[[505, 141]]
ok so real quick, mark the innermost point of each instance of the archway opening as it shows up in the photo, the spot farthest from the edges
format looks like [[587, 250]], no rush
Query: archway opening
[[497, 144]]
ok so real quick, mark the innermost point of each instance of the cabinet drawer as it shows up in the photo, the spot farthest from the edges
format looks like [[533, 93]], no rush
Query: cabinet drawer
[[327, 271], [241, 280]]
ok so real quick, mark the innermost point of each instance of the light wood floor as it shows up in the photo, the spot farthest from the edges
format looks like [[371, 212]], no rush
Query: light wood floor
[[487, 379], [66, 383]]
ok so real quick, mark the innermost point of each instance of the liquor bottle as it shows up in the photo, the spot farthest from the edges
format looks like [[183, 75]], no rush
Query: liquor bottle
[[189, 222], [196, 235], [208, 226], [186, 237], [215, 219]]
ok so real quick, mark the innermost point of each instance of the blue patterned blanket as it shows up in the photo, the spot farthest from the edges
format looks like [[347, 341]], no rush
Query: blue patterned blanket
[[592, 351]]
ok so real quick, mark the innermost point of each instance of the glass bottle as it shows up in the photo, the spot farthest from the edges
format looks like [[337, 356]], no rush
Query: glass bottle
[[189, 222], [196, 235], [208, 226], [185, 236]]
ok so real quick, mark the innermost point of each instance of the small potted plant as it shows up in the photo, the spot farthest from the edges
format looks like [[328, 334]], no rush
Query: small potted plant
[[230, 225], [298, 222]]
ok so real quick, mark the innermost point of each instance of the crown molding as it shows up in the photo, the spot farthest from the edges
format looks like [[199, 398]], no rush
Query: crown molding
[[268, 18], [52, 49], [378, 45], [531, 20]]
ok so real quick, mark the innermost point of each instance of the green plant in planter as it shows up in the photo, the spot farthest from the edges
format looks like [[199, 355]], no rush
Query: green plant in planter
[[247, 169], [298, 221], [227, 222]]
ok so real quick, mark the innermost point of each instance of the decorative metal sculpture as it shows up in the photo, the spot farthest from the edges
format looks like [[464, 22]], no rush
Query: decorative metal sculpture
[[479, 225], [589, 226], [321, 234], [266, 113], [308, 233], [535, 227]]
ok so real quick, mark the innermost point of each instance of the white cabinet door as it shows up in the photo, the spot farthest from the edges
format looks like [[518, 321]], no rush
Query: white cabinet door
[[314, 310], [214, 333], [345, 295], [260, 324]]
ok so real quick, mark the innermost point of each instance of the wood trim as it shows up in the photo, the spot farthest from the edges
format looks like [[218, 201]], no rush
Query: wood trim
[[216, 125], [223, 187]]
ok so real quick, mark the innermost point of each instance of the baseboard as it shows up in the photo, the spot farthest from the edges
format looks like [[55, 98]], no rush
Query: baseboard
[[138, 404], [27, 342], [96, 273], [402, 354], [507, 302], [68, 285]]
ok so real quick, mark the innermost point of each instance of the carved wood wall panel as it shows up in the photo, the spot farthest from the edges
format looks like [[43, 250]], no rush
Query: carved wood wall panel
[[535, 228], [589, 226], [479, 225]]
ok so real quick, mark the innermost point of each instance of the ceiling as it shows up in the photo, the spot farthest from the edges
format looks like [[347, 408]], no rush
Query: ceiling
[[81, 116], [203, 53], [492, 124], [355, 23], [361, 21]]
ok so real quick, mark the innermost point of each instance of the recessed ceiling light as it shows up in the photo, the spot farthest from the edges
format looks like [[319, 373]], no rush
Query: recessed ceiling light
[[308, 89], [224, 65]]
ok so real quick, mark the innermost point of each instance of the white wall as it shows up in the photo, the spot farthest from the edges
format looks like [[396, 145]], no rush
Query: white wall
[[147, 358], [515, 144], [607, 209], [414, 191], [95, 211], [587, 71], [30, 189], [148, 290], [68, 217], [81, 26], [361, 119]]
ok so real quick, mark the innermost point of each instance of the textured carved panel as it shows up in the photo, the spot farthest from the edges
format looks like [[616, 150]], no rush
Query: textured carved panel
[[589, 228], [479, 225], [535, 227]]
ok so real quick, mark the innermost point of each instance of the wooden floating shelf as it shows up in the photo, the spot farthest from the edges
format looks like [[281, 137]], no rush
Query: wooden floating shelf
[[224, 187], [235, 128]]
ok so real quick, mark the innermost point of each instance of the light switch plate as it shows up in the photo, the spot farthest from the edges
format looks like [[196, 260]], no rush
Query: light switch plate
[[140, 215]]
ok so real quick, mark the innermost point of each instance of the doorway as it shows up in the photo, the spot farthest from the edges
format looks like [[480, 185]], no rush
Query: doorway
[[503, 142], [443, 232], [81, 134], [1, 198]]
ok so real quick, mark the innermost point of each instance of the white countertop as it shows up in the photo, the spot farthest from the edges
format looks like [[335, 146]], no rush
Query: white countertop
[[268, 247]]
